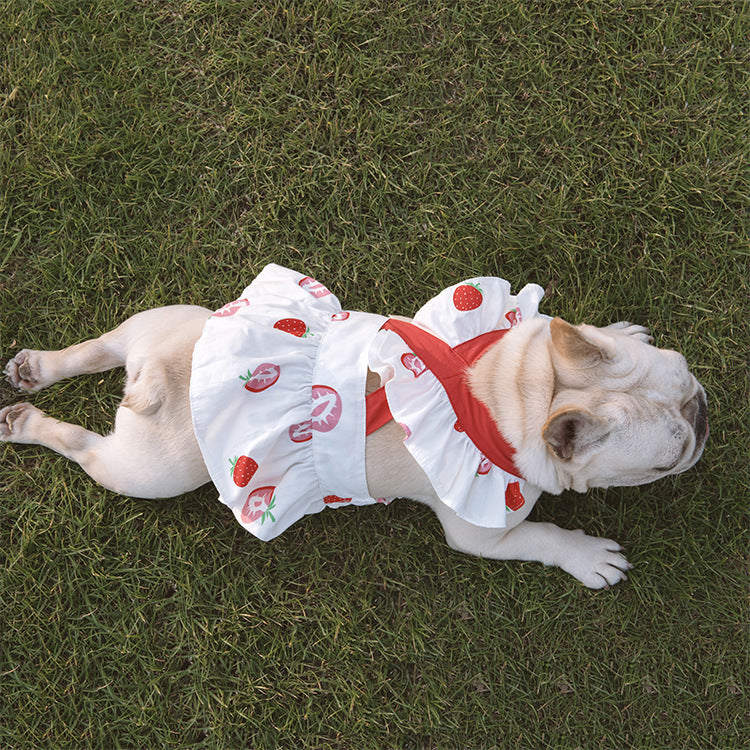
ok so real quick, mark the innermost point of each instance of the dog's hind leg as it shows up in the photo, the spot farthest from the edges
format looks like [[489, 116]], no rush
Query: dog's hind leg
[[140, 458], [152, 451], [143, 334], [32, 370], [24, 423]]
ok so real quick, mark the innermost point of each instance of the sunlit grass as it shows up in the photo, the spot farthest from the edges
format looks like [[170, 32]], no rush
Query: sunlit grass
[[161, 152]]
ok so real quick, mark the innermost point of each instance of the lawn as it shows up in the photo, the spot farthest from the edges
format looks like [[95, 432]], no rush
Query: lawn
[[162, 152]]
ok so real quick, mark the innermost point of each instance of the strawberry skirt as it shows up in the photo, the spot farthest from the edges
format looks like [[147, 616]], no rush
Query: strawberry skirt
[[277, 399]]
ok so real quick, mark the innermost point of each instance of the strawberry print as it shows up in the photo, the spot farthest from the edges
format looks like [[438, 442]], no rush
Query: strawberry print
[[343, 315], [405, 428], [329, 499], [302, 432], [458, 427], [467, 297], [259, 504], [326, 408], [484, 466], [230, 308], [242, 470], [295, 326], [513, 497], [413, 363], [262, 377], [514, 317], [313, 287]]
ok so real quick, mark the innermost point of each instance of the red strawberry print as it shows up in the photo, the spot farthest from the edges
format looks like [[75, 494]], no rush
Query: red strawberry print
[[326, 408], [313, 287], [329, 499], [343, 315], [467, 297], [458, 427], [514, 317], [484, 466], [242, 470], [302, 432], [513, 497], [230, 308], [262, 377], [295, 326], [413, 363], [259, 504]]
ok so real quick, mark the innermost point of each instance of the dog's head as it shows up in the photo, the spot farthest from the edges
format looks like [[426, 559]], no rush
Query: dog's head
[[623, 412]]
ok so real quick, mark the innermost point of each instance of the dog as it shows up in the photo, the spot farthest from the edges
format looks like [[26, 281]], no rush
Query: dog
[[576, 407]]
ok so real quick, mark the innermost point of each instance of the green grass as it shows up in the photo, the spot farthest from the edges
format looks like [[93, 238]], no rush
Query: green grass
[[161, 152]]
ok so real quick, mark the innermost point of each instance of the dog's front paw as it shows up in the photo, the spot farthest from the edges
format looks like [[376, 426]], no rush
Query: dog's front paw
[[597, 563], [24, 371], [630, 329]]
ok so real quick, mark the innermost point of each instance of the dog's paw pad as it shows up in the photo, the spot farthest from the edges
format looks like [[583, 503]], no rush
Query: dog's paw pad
[[23, 371], [12, 419]]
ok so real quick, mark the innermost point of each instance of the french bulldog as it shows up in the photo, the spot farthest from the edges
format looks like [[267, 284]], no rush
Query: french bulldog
[[580, 406]]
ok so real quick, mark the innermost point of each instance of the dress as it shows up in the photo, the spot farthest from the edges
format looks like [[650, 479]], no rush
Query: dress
[[277, 399]]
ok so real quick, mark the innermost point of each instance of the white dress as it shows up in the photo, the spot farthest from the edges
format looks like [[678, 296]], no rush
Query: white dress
[[277, 398]]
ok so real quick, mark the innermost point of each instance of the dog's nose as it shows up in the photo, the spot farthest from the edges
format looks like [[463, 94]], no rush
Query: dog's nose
[[701, 419], [695, 412]]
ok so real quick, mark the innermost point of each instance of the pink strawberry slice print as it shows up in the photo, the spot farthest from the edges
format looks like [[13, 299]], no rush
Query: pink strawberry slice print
[[314, 287], [326, 408], [295, 326], [301, 432], [467, 297], [231, 308], [513, 497], [514, 317], [413, 363], [484, 466], [343, 315], [242, 470], [259, 504], [262, 377]]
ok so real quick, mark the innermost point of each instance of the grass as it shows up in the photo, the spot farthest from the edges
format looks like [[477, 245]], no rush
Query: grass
[[161, 152]]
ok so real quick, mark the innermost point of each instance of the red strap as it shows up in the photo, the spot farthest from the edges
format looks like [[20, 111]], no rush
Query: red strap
[[378, 412], [449, 366]]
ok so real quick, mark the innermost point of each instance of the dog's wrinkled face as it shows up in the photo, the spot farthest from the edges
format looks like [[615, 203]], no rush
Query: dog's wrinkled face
[[623, 412]]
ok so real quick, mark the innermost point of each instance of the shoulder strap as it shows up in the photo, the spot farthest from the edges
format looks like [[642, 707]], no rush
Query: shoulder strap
[[450, 366]]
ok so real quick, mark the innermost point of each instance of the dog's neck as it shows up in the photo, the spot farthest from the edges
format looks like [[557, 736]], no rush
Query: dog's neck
[[509, 378]]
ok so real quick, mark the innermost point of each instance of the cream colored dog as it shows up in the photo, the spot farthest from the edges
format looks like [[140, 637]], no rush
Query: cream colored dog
[[598, 407]]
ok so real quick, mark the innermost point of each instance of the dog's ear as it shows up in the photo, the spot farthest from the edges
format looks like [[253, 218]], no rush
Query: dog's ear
[[580, 347], [570, 432]]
